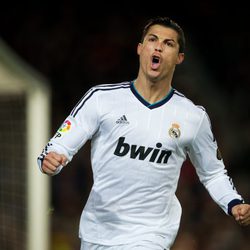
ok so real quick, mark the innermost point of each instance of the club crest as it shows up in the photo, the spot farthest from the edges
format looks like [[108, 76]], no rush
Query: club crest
[[174, 131]]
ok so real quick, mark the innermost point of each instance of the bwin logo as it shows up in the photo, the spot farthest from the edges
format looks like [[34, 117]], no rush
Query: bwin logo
[[141, 152]]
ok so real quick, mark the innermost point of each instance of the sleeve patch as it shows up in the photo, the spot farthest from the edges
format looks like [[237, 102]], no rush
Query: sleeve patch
[[218, 154]]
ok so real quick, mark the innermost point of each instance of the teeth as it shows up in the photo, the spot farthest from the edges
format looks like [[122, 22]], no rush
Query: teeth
[[155, 60]]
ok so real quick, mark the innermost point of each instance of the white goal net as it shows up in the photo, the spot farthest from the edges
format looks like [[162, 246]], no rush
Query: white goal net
[[24, 129]]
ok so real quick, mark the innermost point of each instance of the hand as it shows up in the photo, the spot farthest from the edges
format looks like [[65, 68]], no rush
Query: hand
[[241, 214], [52, 161]]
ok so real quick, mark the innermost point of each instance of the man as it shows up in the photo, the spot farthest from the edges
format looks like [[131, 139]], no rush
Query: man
[[141, 133]]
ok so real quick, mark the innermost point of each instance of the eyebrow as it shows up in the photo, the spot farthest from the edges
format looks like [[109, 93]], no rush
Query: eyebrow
[[167, 39]]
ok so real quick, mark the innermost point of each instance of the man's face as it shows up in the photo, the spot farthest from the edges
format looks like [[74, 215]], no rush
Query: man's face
[[159, 52]]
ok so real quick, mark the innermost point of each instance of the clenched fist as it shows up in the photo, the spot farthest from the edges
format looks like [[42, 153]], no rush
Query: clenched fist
[[52, 161], [241, 213]]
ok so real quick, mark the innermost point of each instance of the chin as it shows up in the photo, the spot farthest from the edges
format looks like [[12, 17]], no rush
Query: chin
[[154, 77]]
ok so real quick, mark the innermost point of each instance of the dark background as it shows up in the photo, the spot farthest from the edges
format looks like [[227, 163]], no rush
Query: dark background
[[76, 45]]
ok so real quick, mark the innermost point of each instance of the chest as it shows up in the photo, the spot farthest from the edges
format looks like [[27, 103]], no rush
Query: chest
[[163, 128]]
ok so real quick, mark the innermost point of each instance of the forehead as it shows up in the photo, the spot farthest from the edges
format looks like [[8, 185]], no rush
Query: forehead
[[163, 32]]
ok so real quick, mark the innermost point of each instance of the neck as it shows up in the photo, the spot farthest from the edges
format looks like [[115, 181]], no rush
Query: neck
[[152, 92]]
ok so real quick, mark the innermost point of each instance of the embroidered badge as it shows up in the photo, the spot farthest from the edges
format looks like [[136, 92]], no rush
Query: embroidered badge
[[218, 154], [65, 126], [174, 131]]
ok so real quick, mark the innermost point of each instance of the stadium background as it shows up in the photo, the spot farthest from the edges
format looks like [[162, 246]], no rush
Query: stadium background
[[75, 46]]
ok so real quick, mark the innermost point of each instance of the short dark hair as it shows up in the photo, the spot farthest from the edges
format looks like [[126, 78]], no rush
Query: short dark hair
[[167, 22]]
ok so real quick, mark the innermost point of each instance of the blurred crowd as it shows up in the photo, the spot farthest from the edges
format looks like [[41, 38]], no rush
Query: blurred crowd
[[75, 52]]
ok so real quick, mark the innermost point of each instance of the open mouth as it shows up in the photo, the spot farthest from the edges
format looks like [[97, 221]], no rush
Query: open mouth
[[155, 62], [155, 59]]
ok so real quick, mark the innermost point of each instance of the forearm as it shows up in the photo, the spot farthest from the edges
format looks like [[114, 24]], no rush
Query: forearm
[[65, 142], [223, 192], [53, 158]]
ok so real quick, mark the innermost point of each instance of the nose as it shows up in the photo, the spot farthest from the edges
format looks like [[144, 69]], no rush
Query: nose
[[158, 49]]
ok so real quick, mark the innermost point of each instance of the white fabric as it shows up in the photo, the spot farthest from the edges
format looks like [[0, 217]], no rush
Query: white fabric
[[141, 245], [137, 153]]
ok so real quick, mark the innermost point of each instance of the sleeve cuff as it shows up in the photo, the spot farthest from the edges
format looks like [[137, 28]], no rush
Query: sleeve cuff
[[233, 203]]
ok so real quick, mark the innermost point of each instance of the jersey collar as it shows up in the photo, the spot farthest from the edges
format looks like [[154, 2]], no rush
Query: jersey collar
[[146, 103]]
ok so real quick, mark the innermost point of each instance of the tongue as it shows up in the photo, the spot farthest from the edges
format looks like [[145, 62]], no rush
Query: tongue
[[155, 65]]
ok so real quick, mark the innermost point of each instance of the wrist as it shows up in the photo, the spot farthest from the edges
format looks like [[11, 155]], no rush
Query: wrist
[[233, 203]]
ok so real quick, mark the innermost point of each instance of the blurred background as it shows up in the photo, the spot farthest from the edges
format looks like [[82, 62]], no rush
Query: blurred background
[[76, 46]]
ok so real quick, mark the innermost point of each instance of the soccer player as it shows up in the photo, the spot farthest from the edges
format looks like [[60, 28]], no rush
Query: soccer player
[[141, 132]]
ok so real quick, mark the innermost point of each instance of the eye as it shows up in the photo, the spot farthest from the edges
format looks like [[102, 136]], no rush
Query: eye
[[169, 43], [151, 39]]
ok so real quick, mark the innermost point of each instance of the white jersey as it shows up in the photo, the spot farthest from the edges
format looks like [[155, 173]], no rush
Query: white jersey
[[137, 151]]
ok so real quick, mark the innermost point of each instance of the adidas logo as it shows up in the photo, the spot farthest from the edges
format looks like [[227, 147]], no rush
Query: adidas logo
[[122, 120]]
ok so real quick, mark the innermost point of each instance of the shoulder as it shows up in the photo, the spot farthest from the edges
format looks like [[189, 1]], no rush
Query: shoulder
[[101, 93], [185, 104], [108, 92], [110, 87]]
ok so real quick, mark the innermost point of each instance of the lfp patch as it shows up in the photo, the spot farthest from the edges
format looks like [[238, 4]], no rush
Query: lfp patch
[[65, 126]]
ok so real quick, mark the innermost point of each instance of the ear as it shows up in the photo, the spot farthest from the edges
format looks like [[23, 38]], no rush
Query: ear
[[180, 58], [139, 46]]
